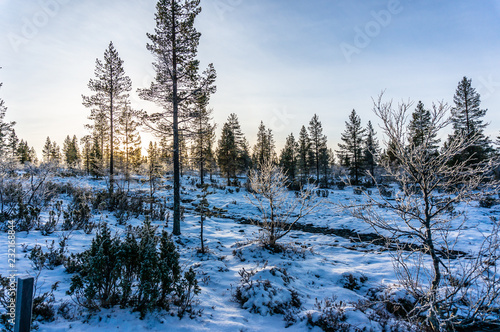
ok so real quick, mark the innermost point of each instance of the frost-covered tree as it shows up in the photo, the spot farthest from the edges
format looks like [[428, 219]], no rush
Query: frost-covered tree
[[448, 293], [110, 87], [177, 83], [279, 210], [352, 148]]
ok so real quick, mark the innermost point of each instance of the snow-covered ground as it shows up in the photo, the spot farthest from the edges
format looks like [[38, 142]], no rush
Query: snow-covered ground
[[314, 267]]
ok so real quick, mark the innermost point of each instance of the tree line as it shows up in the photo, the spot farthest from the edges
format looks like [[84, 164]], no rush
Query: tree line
[[185, 129]]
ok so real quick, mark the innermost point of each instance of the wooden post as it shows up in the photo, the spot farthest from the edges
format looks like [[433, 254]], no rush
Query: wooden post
[[24, 304]]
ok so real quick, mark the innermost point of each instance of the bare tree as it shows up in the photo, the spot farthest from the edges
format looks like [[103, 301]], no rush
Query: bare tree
[[450, 292], [279, 210]]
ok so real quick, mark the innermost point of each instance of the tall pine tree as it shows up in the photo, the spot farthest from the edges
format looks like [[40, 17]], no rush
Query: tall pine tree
[[177, 83], [110, 87]]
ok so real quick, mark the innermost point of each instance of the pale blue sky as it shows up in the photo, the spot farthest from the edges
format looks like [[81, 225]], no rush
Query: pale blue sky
[[277, 61]]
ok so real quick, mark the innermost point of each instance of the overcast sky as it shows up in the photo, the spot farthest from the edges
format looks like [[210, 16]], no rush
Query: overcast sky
[[279, 61]]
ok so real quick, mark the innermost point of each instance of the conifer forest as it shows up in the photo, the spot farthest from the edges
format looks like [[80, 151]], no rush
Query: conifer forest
[[177, 215]]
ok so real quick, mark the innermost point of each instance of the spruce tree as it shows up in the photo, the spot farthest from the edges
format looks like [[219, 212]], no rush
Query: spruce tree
[[420, 132], [371, 149], [148, 263], [227, 153], [71, 152], [24, 153], [263, 149], [327, 159], [352, 148], [95, 161], [288, 158], [243, 160], [110, 87], [100, 134], [318, 144], [55, 153], [169, 268], [174, 46], [467, 119], [12, 143], [46, 151], [304, 154]]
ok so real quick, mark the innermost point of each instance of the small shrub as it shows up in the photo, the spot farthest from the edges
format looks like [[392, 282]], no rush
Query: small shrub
[[329, 315], [78, 213], [352, 281], [43, 305], [262, 297], [142, 271], [54, 216], [385, 192], [487, 202]]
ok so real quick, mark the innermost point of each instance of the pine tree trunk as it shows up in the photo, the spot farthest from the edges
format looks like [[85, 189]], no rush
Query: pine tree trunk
[[111, 165], [177, 196]]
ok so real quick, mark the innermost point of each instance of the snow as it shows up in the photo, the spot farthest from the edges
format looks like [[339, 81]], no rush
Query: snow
[[316, 265]]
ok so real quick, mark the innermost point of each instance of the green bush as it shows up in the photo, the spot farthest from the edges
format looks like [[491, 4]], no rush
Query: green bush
[[141, 271]]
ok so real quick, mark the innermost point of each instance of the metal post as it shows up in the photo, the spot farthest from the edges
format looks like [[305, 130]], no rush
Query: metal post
[[24, 304]]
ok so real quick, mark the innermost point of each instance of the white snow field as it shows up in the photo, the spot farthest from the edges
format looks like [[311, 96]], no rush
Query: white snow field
[[285, 286]]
